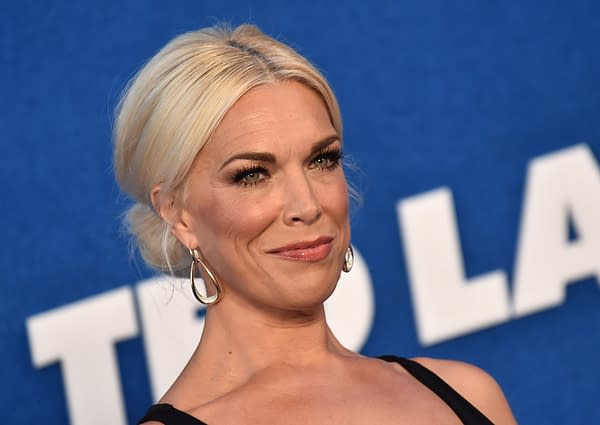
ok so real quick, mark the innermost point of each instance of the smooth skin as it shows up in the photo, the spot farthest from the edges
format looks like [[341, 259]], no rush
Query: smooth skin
[[270, 177]]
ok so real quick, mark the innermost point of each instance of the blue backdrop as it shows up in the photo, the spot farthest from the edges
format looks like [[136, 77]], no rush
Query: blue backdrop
[[461, 95]]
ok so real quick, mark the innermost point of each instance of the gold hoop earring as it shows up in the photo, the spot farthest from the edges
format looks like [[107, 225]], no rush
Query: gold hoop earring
[[197, 260], [348, 260]]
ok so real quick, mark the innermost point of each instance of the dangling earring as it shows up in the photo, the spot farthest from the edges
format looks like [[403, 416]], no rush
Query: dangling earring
[[348, 259], [197, 260]]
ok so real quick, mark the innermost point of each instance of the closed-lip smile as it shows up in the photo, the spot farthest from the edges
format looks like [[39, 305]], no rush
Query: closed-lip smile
[[309, 251]]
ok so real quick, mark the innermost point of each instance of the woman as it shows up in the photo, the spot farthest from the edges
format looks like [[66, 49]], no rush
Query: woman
[[231, 142]]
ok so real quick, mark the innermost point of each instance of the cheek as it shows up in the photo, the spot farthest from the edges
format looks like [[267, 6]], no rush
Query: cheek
[[234, 217], [334, 199], [228, 227]]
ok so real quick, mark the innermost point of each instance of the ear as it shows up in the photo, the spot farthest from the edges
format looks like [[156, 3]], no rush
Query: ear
[[170, 210]]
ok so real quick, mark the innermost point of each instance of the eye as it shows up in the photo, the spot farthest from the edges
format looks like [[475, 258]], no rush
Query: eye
[[249, 176], [327, 159]]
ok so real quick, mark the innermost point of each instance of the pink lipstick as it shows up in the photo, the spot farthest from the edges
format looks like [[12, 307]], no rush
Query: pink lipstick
[[309, 251]]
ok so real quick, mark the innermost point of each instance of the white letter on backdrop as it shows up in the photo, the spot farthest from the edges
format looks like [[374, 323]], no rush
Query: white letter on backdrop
[[446, 304], [82, 336], [351, 307], [559, 185], [171, 328]]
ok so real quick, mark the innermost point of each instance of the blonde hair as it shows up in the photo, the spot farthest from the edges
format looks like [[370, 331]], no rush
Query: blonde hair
[[173, 105]]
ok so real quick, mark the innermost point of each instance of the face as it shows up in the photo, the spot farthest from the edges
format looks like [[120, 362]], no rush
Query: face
[[266, 202]]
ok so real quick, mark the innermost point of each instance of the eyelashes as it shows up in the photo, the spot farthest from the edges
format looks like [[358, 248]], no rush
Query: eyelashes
[[250, 175], [327, 159]]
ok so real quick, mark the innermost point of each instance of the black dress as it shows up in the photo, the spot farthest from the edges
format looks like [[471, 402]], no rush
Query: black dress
[[468, 413]]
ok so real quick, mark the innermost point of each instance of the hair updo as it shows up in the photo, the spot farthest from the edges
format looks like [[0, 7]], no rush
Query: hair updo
[[172, 107]]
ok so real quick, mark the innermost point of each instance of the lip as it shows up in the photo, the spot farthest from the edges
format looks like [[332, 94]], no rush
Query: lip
[[309, 251]]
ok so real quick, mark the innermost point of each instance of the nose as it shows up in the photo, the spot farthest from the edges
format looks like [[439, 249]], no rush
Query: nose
[[301, 203]]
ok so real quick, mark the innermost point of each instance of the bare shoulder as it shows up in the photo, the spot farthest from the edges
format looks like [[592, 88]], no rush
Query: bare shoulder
[[474, 384]]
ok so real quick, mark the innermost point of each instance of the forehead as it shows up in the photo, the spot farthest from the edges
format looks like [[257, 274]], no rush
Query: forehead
[[282, 115]]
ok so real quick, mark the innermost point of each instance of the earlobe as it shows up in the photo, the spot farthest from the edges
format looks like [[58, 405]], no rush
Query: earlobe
[[183, 231], [166, 207]]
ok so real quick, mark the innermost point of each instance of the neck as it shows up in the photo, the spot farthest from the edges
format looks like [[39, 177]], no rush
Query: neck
[[239, 343]]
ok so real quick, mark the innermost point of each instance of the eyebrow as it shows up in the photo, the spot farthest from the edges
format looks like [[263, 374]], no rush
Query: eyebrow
[[270, 158]]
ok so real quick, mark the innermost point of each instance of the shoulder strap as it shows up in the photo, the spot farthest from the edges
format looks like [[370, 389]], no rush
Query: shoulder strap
[[169, 415], [468, 413]]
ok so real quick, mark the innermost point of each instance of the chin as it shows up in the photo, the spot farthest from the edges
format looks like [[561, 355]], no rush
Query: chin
[[310, 293]]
